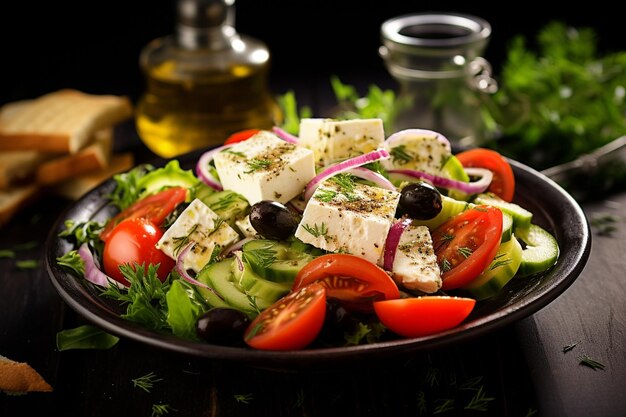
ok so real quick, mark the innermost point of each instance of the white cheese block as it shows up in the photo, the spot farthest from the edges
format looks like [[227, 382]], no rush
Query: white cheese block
[[336, 140], [420, 151], [351, 221], [415, 263], [245, 227], [199, 224], [265, 167]]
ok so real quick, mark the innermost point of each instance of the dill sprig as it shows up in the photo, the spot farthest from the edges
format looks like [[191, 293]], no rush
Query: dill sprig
[[316, 230], [161, 409], [263, 257], [465, 251], [569, 347], [146, 382], [586, 360], [257, 164], [499, 261], [479, 402], [400, 155], [244, 398]]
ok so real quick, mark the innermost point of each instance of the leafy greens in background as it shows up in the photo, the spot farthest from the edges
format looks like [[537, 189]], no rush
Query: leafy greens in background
[[559, 98]]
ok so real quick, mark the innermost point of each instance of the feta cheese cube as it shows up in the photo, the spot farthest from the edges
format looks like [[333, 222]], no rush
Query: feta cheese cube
[[418, 149], [415, 263], [352, 219], [335, 140], [199, 224], [245, 227], [265, 167]]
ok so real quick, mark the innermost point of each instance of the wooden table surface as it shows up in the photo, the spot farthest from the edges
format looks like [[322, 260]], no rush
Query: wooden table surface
[[520, 370]]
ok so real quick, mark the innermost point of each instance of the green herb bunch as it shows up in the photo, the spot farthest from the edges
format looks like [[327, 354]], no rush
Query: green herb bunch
[[559, 98]]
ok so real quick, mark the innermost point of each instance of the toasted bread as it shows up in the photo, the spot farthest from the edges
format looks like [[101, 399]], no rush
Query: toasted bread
[[76, 187], [92, 158], [60, 122], [13, 199], [20, 377]]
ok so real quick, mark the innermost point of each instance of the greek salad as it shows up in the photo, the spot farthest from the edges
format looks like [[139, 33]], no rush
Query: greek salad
[[340, 235]]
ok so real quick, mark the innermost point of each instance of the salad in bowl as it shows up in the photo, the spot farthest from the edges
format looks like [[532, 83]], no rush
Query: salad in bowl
[[338, 236]]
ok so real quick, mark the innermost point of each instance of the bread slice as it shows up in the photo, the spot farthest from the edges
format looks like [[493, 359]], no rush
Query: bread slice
[[20, 377], [18, 166], [15, 198], [94, 157], [60, 122], [75, 188]]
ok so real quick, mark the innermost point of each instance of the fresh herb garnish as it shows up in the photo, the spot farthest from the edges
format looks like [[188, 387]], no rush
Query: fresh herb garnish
[[81, 232], [400, 155], [257, 164], [73, 262], [263, 257], [466, 252], [499, 261], [569, 347], [325, 195], [445, 404], [291, 114], [316, 230], [146, 382], [586, 360], [6, 253], [445, 265], [127, 190], [243, 398], [479, 402], [27, 264], [606, 224], [161, 409], [180, 242]]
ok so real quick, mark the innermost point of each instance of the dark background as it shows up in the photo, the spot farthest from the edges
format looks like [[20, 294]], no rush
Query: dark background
[[94, 46]]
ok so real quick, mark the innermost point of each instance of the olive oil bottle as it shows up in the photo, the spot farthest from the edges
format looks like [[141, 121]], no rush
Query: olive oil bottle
[[203, 83]]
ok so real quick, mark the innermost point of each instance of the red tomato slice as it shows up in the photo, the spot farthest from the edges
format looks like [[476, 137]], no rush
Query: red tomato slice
[[154, 207], [466, 244], [503, 183], [354, 280], [241, 136], [423, 316], [293, 322], [133, 241]]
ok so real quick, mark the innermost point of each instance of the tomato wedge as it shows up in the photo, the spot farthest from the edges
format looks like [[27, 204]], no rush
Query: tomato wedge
[[154, 207], [503, 183], [241, 136], [466, 244], [354, 280], [133, 241], [423, 316], [292, 322]]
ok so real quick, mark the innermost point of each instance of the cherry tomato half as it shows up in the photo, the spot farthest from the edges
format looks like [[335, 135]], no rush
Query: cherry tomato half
[[503, 183], [466, 244], [133, 241], [292, 322], [241, 136], [154, 207], [423, 316], [354, 280]]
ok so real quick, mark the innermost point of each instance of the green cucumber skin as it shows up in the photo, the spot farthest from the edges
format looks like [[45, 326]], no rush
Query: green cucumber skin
[[541, 252], [449, 208], [289, 260], [522, 218], [214, 299], [219, 276]]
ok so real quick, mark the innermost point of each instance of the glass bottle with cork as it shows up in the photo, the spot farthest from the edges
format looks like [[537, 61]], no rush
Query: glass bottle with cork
[[203, 83]]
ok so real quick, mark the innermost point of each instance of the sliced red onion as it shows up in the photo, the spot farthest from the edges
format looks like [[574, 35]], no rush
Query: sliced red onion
[[466, 187], [343, 166], [237, 256], [284, 135], [392, 241], [202, 168], [182, 271], [417, 132], [236, 246], [375, 177], [92, 273]]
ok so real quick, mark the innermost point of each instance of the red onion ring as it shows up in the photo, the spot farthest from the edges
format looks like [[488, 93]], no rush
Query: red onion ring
[[180, 268], [93, 274], [375, 177], [343, 167], [236, 246], [392, 241], [284, 135], [466, 187], [202, 168]]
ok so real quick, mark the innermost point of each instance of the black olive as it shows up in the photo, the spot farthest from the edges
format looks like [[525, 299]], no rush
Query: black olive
[[273, 220], [338, 320], [222, 326], [420, 201]]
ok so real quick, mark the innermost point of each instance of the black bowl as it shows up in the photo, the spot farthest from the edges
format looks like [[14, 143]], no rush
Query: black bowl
[[553, 209]]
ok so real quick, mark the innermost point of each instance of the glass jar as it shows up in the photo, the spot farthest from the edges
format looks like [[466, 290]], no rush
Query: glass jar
[[204, 82], [436, 60]]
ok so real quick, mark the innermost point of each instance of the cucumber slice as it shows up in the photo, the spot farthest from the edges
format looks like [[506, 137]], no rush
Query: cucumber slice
[[264, 292], [503, 267], [449, 208], [507, 227], [229, 205], [522, 218], [453, 169], [541, 251], [219, 276], [275, 260], [211, 297]]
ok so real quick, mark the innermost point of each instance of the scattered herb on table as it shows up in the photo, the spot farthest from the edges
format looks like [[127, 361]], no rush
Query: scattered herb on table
[[27, 264], [569, 347], [146, 382], [161, 409], [244, 398], [604, 223], [7, 253], [586, 360]]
